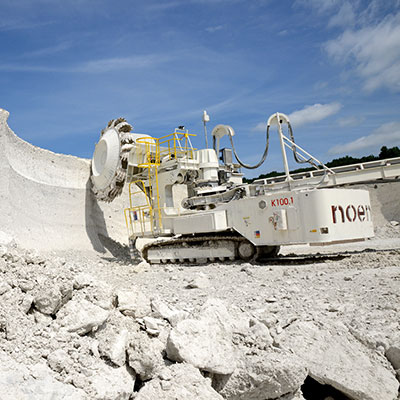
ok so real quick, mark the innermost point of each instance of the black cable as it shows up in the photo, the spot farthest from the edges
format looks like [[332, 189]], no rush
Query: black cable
[[295, 151], [262, 158]]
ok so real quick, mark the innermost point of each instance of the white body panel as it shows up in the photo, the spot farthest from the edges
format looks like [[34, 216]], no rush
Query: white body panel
[[208, 164], [308, 216], [214, 221]]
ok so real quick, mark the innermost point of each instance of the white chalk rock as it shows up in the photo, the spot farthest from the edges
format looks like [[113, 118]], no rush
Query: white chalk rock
[[145, 356], [81, 316], [35, 383], [265, 317], [6, 239], [335, 357], [264, 375], [58, 360], [215, 309], [143, 266], [153, 325], [27, 303], [260, 334], [133, 303], [117, 351], [82, 280], [4, 287], [200, 281], [205, 343], [114, 345], [48, 300], [180, 381], [110, 383], [393, 355], [298, 396], [42, 319], [163, 310], [3, 251], [32, 257], [102, 295], [26, 285], [113, 337], [393, 351]]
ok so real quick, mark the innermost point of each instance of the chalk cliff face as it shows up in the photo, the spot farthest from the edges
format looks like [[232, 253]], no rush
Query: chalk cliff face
[[46, 202]]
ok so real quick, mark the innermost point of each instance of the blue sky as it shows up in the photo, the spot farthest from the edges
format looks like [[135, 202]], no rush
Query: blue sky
[[67, 67]]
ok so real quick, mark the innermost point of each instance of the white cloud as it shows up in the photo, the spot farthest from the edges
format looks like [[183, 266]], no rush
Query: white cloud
[[166, 5], [339, 12], [313, 113], [93, 66], [45, 51], [321, 6], [163, 6], [260, 127], [350, 13], [374, 51], [307, 115], [119, 63], [350, 121], [212, 29], [320, 85], [344, 17], [20, 24], [28, 68], [386, 135]]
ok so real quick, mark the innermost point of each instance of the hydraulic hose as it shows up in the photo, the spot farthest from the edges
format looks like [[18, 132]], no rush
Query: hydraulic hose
[[264, 156], [297, 159]]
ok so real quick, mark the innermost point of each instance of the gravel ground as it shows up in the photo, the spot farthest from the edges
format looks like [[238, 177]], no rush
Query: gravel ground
[[356, 286], [358, 283]]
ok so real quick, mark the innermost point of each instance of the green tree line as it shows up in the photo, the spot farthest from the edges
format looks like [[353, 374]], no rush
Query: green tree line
[[338, 162]]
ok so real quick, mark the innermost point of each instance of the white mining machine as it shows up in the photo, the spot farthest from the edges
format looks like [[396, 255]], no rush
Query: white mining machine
[[197, 209]]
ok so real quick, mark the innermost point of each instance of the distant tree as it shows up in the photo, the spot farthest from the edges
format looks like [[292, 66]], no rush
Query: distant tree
[[389, 153], [347, 160]]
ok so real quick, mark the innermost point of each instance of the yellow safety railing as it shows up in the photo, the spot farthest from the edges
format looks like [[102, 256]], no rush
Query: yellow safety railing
[[175, 145], [145, 219], [139, 218], [172, 146]]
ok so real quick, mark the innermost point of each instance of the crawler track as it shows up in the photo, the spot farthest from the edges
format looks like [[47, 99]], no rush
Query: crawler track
[[200, 249]]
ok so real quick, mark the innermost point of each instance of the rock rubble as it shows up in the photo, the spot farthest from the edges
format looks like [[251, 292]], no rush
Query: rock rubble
[[66, 333]]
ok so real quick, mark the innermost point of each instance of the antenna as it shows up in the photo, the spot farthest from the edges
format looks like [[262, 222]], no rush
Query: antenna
[[206, 118]]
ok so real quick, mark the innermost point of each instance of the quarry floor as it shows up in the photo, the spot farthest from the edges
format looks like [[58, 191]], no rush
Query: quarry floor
[[357, 284]]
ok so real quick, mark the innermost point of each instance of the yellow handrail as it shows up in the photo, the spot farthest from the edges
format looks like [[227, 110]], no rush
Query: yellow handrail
[[173, 146]]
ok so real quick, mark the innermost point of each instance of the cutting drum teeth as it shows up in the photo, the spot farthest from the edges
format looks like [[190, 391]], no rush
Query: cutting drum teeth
[[123, 127], [115, 186], [126, 138]]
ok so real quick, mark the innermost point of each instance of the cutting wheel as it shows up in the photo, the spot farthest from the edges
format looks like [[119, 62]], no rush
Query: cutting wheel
[[110, 160]]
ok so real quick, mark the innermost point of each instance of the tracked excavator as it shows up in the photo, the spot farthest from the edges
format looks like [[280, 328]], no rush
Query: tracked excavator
[[190, 205]]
